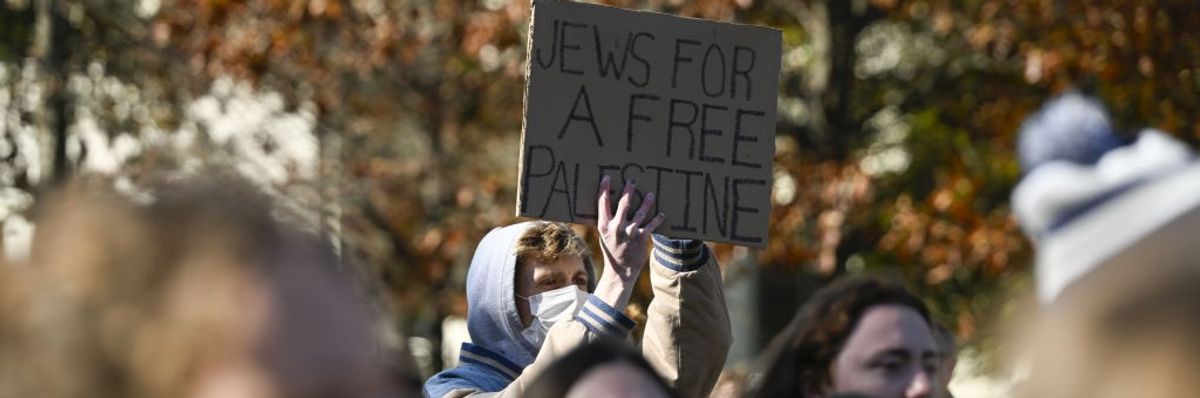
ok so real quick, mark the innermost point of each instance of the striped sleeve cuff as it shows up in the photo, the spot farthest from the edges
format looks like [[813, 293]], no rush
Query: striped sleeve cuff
[[471, 353], [681, 255], [603, 319]]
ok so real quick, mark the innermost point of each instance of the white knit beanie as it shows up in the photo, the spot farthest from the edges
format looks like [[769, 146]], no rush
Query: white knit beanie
[[1085, 197]]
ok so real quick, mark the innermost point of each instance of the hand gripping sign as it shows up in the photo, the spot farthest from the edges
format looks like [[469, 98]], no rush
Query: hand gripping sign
[[684, 107]]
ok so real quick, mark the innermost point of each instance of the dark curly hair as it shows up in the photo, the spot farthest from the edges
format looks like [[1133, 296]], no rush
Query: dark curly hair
[[800, 358]]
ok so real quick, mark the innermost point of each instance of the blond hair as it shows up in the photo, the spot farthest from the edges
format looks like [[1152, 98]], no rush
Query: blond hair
[[547, 242]]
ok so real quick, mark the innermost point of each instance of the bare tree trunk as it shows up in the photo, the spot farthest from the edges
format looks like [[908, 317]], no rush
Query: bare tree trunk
[[51, 47], [846, 19], [832, 27]]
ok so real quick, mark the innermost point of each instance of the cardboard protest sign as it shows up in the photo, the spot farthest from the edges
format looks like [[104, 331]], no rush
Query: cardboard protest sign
[[684, 107]]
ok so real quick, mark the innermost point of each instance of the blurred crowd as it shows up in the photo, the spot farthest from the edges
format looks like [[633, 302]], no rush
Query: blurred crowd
[[198, 293], [205, 290]]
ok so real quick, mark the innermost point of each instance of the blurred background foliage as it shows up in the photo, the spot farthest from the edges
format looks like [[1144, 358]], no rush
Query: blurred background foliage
[[393, 126]]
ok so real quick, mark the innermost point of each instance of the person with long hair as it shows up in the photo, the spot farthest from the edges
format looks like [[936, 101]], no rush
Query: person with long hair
[[860, 335]]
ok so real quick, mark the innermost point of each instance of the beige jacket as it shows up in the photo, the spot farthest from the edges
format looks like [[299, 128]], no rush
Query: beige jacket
[[687, 333]]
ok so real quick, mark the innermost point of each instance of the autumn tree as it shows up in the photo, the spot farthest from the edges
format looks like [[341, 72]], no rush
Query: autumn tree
[[392, 127]]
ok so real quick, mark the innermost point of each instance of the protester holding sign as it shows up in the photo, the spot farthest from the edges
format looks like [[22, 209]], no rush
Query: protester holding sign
[[528, 302]]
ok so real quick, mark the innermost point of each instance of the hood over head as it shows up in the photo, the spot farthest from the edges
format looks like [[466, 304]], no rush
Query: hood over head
[[492, 318]]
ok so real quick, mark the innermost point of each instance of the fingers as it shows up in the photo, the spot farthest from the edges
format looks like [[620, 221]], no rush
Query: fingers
[[616, 223], [623, 203], [654, 224], [604, 203], [640, 215]]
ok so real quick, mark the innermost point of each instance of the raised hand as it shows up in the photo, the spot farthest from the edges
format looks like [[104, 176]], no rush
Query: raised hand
[[624, 242]]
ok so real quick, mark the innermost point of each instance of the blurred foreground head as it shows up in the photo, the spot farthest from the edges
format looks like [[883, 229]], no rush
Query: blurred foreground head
[[601, 369], [1115, 233], [860, 335], [200, 293], [1119, 333]]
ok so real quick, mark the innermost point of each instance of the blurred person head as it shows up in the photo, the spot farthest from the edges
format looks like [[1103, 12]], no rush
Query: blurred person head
[[522, 279], [859, 335], [1116, 269], [199, 293], [605, 368], [948, 350], [1128, 329]]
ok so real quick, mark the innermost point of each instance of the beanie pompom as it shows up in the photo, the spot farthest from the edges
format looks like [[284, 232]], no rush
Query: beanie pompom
[[1071, 127]]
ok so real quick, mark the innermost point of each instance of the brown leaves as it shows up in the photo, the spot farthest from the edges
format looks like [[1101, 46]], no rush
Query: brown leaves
[[946, 234], [829, 199]]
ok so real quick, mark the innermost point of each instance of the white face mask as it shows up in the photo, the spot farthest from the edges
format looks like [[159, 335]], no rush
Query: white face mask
[[549, 308]]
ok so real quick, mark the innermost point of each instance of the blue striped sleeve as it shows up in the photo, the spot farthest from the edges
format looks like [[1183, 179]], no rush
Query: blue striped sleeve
[[681, 255], [470, 353], [603, 319]]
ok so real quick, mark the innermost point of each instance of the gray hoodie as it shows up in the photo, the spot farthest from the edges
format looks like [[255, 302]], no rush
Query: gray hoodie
[[497, 353], [686, 338]]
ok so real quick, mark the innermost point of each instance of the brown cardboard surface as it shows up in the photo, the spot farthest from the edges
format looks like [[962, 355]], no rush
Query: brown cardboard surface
[[685, 107]]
